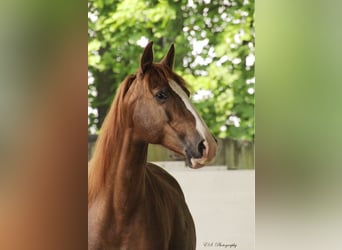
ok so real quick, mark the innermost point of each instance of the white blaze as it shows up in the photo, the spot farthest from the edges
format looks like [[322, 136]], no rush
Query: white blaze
[[201, 127]]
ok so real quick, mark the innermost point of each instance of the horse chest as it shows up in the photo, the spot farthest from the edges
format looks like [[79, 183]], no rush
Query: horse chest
[[149, 227]]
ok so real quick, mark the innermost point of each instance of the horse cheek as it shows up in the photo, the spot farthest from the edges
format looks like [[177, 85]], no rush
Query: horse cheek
[[147, 123]]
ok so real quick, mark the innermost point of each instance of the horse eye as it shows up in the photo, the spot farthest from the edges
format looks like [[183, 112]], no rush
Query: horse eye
[[161, 96]]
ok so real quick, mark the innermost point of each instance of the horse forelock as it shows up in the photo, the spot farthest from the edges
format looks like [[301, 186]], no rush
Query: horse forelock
[[159, 75]]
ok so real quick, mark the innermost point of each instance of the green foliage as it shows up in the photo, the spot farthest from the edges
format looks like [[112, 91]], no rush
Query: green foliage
[[214, 43]]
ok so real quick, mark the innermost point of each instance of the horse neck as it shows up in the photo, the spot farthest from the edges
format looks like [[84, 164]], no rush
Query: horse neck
[[117, 168], [129, 173]]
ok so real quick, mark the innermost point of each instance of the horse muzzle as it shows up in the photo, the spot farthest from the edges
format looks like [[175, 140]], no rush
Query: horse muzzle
[[205, 153]]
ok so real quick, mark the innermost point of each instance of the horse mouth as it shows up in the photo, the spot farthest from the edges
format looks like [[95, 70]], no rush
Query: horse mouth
[[197, 160]]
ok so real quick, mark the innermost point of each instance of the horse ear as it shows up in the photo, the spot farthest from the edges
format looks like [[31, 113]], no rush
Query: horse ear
[[169, 58], [147, 58]]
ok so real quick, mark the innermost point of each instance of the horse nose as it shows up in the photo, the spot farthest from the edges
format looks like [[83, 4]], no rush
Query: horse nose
[[201, 147]]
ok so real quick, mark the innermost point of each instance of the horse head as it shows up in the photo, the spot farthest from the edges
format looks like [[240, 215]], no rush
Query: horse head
[[159, 111]]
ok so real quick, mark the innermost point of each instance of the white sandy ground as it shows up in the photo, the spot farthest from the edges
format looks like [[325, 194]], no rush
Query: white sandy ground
[[221, 203]]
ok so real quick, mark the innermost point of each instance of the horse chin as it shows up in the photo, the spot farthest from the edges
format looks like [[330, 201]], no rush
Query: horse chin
[[193, 162], [197, 163]]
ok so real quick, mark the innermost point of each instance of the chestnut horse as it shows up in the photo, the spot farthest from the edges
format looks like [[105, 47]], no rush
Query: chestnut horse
[[132, 204]]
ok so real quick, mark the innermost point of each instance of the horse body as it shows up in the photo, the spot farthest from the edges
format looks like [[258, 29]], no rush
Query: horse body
[[161, 220], [133, 204]]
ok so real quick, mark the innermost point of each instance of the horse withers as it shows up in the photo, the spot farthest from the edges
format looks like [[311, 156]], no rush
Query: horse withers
[[133, 204]]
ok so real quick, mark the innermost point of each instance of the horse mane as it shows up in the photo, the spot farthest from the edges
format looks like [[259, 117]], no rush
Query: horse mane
[[107, 139]]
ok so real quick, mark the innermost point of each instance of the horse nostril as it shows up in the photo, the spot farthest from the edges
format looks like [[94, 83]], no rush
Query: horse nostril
[[201, 147]]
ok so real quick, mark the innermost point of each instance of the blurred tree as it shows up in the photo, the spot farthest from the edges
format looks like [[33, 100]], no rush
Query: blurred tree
[[214, 52]]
